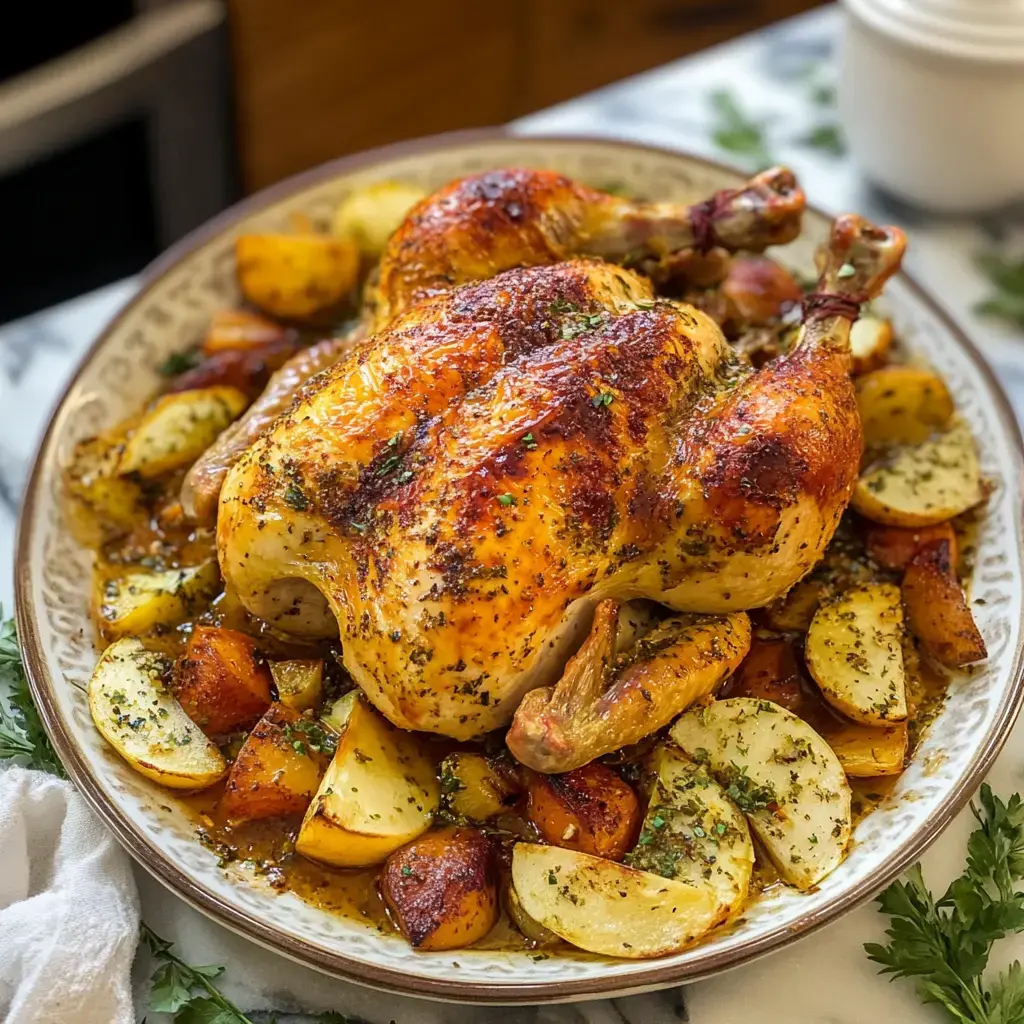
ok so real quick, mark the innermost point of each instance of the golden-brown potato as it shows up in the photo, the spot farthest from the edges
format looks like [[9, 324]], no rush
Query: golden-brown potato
[[476, 787], [924, 484], [609, 908], [793, 612], [937, 609], [178, 429], [232, 330], [135, 712], [759, 289], [299, 682], [380, 790], [441, 889], [769, 672], [370, 215], [871, 340], [854, 652], [296, 277], [867, 751], [223, 684], [102, 505], [278, 768], [902, 405], [892, 547], [589, 809], [147, 602]]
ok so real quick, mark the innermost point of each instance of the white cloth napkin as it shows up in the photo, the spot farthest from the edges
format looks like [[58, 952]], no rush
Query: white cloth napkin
[[69, 914]]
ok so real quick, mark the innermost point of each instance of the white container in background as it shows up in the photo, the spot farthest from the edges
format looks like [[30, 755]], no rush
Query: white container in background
[[932, 99]]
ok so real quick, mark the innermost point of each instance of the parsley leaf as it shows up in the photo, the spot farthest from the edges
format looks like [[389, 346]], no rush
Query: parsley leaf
[[178, 362], [1007, 277], [826, 137], [737, 133], [21, 729], [945, 944]]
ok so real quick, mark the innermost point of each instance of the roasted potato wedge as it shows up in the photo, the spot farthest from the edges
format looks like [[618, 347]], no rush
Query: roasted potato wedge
[[278, 768], [770, 671], [369, 215], [781, 774], [854, 653], [609, 908], [867, 751], [137, 715], [892, 547], [223, 683], [871, 340], [379, 792], [793, 612], [144, 602], [476, 787], [693, 832], [533, 930], [296, 277], [238, 330], [925, 484], [299, 682], [589, 809], [441, 889], [937, 609], [102, 504], [902, 405], [178, 429]]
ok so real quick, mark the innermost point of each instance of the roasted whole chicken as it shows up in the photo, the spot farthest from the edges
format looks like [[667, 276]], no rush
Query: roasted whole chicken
[[535, 493]]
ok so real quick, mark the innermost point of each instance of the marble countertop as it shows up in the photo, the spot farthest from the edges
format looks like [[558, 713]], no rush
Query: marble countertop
[[781, 80]]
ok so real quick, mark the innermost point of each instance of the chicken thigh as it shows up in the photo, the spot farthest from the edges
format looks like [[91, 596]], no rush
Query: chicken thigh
[[503, 457]]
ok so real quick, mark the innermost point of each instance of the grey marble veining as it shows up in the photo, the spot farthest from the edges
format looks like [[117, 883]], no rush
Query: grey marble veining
[[780, 77]]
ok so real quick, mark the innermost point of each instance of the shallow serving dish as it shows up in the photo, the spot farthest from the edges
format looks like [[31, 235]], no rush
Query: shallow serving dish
[[179, 294]]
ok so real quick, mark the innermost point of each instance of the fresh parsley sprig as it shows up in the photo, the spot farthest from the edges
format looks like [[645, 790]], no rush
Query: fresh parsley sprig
[[1006, 276], [22, 735], [945, 944]]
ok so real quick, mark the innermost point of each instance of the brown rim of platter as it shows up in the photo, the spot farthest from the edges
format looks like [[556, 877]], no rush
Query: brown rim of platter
[[245, 923]]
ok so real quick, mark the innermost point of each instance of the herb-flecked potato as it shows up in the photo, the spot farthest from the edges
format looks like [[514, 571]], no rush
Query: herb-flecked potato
[[902, 405], [854, 652], [278, 768], [937, 609], [103, 504], [441, 889], [924, 484], [146, 602], [867, 751], [378, 793], [871, 340], [781, 774], [369, 215], [223, 684], [589, 809], [138, 716], [296, 277], [299, 682], [178, 429], [610, 908], [476, 787]]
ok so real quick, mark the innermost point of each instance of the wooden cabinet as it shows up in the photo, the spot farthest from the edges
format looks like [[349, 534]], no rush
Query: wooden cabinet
[[318, 78]]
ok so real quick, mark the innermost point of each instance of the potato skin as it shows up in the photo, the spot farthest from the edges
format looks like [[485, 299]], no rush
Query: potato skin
[[272, 776], [441, 889], [937, 609], [239, 330], [223, 685], [892, 547], [589, 809]]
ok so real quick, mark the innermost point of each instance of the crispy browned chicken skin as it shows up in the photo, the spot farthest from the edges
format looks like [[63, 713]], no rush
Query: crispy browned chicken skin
[[458, 495]]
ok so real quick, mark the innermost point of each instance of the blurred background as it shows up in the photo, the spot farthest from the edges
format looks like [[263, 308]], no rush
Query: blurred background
[[123, 125]]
